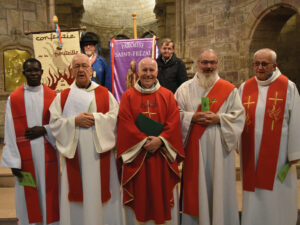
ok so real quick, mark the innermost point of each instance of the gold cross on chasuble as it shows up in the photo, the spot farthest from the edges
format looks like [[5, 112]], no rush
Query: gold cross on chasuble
[[274, 113], [275, 99], [148, 109], [249, 102]]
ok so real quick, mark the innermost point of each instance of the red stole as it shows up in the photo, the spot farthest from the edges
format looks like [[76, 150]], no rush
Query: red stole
[[217, 96], [264, 175], [51, 163], [93, 59], [148, 182], [73, 168]]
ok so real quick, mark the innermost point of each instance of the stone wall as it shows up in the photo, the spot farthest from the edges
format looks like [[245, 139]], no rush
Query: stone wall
[[234, 29], [69, 13], [16, 17]]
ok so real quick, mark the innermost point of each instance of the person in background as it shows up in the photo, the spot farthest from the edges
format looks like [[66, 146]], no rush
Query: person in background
[[171, 70], [89, 44]]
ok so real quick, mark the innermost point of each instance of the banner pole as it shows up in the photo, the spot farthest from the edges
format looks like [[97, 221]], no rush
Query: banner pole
[[134, 25]]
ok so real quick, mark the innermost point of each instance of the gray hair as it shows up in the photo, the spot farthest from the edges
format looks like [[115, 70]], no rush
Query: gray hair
[[268, 50]]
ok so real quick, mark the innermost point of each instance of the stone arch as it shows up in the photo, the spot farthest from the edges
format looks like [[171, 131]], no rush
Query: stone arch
[[277, 27]]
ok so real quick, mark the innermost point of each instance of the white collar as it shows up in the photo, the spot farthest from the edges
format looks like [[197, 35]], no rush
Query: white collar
[[33, 88], [274, 76], [143, 90]]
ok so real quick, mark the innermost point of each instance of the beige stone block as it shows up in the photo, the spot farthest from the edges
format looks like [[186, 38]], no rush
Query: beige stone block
[[36, 26], [205, 18], [222, 35], [3, 26], [224, 47], [26, 26], [14, 19], [260, 7], [231, 76], [63, 9], [26, 5], [191, 19], [204, 11], [65, 1], [171, 9], [11, 4], [194, 1], [41, 13], [202, 30], [2, 13], [29, 16], [35, 1]]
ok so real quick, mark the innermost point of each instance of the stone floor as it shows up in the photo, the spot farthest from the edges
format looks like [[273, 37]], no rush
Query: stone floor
[[7, 199]]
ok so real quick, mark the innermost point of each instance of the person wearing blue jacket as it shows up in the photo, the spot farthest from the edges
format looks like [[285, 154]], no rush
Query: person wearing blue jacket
[[102, 74]]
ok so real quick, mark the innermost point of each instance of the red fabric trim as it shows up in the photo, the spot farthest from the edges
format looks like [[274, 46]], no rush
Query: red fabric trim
[[63, 98], [220, 93], [102, 102], [51, 162], [264, 175], [94, 58], [73, 168], [112, 58]]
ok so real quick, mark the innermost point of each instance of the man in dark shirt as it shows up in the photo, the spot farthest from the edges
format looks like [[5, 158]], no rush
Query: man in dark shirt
[[171, 70]]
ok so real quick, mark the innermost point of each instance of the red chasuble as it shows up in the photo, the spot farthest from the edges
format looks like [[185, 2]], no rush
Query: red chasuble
[[148, 182], [51, 162], [73, 168], [217, 96], [264, 175]]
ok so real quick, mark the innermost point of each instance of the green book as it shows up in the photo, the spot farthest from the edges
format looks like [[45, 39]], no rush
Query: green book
[[148, 126], [26, 180], [204, 104], [283, 172]]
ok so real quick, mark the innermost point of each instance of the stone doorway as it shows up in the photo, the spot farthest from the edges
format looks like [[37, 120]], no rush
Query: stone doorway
[[279, 29]]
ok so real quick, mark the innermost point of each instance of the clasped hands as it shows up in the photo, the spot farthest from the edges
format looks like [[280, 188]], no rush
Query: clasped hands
[[152, 144], [206, 118], [85, 120]]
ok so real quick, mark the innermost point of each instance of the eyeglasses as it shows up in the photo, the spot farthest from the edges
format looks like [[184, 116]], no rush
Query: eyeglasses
[[263, 64], [30, 70], [206, 62], [83, 66]]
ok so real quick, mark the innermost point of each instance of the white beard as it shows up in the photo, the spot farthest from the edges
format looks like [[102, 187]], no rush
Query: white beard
[[207, 81]]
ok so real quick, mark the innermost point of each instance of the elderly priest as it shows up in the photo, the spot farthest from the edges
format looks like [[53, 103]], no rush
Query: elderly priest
[[83, 120], [149, 157]]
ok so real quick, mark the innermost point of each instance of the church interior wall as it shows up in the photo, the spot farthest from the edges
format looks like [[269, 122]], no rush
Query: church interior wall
[[233, 28], [16, 17], [228, 28]]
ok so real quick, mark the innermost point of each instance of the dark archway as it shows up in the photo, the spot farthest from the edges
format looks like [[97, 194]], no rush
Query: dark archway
[[279, 30]]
